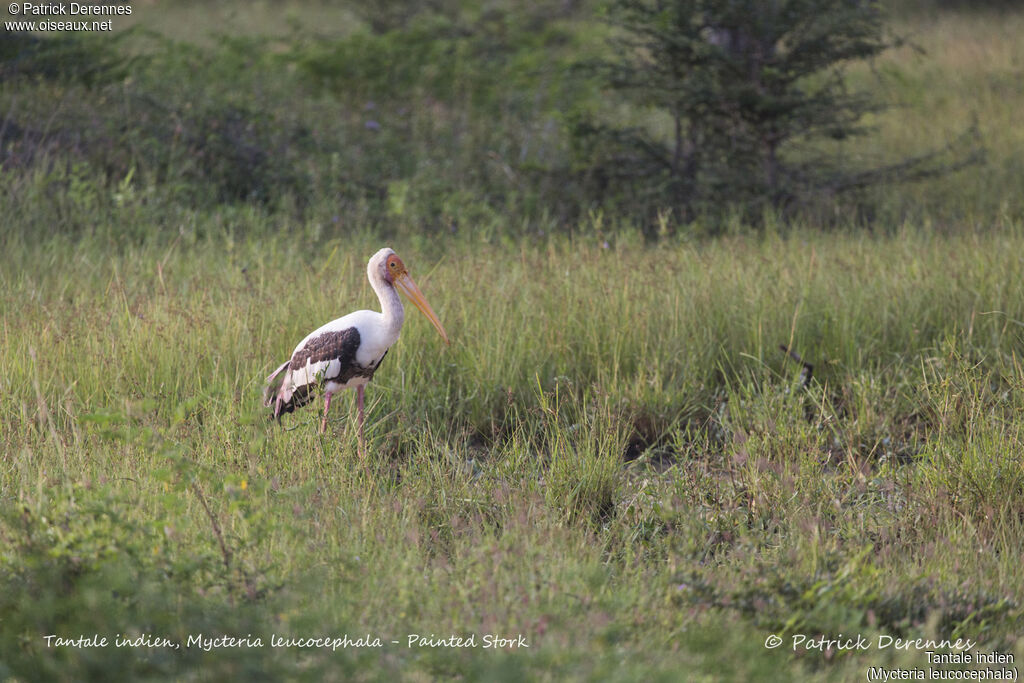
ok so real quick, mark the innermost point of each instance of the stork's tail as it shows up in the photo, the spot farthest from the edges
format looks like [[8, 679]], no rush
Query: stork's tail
[[276, 395]]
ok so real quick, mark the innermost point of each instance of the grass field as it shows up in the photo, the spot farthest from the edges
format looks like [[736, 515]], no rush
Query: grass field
[[612, 459], [613, 465]]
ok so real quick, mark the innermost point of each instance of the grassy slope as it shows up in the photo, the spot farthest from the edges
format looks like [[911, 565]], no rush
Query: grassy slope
[[143, 491]]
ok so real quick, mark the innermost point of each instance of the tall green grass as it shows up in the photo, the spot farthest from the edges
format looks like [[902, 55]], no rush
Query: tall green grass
[[613, 458]]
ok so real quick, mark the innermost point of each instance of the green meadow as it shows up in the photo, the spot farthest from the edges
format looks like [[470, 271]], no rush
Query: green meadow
[[614, 466]]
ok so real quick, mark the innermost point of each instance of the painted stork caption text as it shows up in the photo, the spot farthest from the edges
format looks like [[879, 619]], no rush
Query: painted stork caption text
[[209, 642]]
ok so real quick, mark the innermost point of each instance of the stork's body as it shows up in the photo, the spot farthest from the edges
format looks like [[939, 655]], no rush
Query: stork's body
[[346, 352]]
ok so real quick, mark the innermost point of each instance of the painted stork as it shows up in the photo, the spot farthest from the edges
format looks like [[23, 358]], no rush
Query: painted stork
[[346, 352]]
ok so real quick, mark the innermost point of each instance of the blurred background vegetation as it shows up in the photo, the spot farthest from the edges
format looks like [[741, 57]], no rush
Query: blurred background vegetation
[[512, 118]]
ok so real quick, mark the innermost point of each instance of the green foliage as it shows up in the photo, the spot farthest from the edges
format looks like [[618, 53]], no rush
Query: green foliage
[[160, 117], [74, 58], [468, 115], [80, 563], [465, 111]]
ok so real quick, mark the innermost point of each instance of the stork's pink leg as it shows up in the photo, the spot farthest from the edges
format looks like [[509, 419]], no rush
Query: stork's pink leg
[[359, 405], [327, 406]]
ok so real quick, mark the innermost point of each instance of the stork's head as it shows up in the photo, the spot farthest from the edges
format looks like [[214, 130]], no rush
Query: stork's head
[[385, 266]]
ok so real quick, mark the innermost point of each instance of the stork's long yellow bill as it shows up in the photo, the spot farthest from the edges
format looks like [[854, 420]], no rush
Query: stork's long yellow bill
[[404, 283]]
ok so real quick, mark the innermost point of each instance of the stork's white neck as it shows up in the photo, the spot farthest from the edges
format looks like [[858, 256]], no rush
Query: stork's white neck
[[390, 305]]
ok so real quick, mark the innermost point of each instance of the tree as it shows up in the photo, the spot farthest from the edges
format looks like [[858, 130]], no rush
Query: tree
[[742, 93]]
